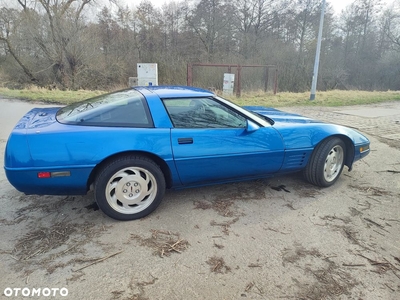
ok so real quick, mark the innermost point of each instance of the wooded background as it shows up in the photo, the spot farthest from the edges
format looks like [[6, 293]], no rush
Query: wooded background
[[82, 44]]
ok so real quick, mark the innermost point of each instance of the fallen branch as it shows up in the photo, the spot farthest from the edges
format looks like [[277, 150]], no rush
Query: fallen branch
[[354, 265], [249, 286], [254, 266], [396, 258], [367, 258], [98, 260], [275, 230], [373, 222], [393, 290], [396, 274], [393, 171], [385, 264], [172, 247], [216, 266], [379, 232], [376, 224]]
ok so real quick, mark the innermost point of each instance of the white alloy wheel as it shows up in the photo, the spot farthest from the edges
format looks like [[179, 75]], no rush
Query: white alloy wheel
[[129, 187], [333, 163], [326, 162], [131, 190]]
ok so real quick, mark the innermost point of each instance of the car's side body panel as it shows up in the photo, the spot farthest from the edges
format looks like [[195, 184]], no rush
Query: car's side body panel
[[212, 155]]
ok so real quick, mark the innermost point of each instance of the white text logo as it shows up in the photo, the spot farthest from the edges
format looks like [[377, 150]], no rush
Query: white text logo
[[27, 292]]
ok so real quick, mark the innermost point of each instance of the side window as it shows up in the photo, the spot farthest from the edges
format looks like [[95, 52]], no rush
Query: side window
[[202, 113], [126, 108]]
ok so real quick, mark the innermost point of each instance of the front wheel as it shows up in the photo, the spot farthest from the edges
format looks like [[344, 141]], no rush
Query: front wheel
[[326, 162], [129, 188]]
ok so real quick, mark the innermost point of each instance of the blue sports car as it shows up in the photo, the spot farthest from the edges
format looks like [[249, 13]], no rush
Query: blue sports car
[[129, 146]]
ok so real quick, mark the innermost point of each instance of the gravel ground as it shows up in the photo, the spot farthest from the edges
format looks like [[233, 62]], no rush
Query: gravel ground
[[249, 240]]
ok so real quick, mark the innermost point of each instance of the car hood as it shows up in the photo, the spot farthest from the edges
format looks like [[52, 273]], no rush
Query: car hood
[[280, 117]]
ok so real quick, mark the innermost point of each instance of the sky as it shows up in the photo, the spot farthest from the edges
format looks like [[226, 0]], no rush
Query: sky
[[338, 5]]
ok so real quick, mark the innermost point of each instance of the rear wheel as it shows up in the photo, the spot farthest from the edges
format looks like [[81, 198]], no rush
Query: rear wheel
[[129, 188], [326, 162]]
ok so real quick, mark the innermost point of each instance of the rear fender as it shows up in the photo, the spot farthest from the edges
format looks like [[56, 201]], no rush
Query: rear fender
[[17, 152], [169, 171]]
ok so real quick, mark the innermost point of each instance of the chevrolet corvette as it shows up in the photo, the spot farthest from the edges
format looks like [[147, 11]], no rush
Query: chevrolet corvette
[[130, 146]]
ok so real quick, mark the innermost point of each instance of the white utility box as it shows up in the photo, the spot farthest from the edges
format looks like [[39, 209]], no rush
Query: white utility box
[[229, 83], [147, 74]]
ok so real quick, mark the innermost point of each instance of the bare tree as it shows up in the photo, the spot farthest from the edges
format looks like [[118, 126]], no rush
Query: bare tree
[[9, 26], [51, 42], [391, 26], [52, 34], [211, 20]]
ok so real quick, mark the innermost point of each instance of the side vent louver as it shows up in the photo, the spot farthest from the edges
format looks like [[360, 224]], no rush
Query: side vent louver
[[296, 160]]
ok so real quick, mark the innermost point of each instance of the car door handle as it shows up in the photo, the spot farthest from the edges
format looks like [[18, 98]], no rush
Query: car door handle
[[183, 141]]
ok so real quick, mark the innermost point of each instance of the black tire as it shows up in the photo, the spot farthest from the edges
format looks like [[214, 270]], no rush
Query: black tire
[[129, 187], [326, 162]]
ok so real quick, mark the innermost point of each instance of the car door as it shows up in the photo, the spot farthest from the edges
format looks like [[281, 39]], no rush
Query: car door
[[212, 142]]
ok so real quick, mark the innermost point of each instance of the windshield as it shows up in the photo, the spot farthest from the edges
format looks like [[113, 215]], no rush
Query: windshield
[[122, 108], [263, 120]]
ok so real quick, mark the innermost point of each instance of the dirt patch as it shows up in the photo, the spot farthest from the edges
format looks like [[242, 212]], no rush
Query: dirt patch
[[217, 265], [371, 191], [392, 143], [308, 192], [43, 240], [293, 255], [45, 204], [323, 278], [352, 235], [136, 290], [224, 208], [225, 225], [331, 282], [330, 218], [57, 246], [163, 243], [250, 190]]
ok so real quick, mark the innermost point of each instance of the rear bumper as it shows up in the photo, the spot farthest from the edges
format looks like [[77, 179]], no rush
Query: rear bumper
[[28, 182]]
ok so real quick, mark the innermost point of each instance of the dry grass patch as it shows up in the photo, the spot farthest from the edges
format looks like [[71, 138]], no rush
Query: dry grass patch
[[327, 98], [163, 243], [372, 191], [222, 207], [55, 96], [43, 240], [225, 225], [217, 265]]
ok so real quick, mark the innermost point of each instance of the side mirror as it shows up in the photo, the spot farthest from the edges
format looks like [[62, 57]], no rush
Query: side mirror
[[251, 126]]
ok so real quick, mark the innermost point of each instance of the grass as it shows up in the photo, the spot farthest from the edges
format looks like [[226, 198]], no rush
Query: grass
[[329, 98], [37, 94]]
